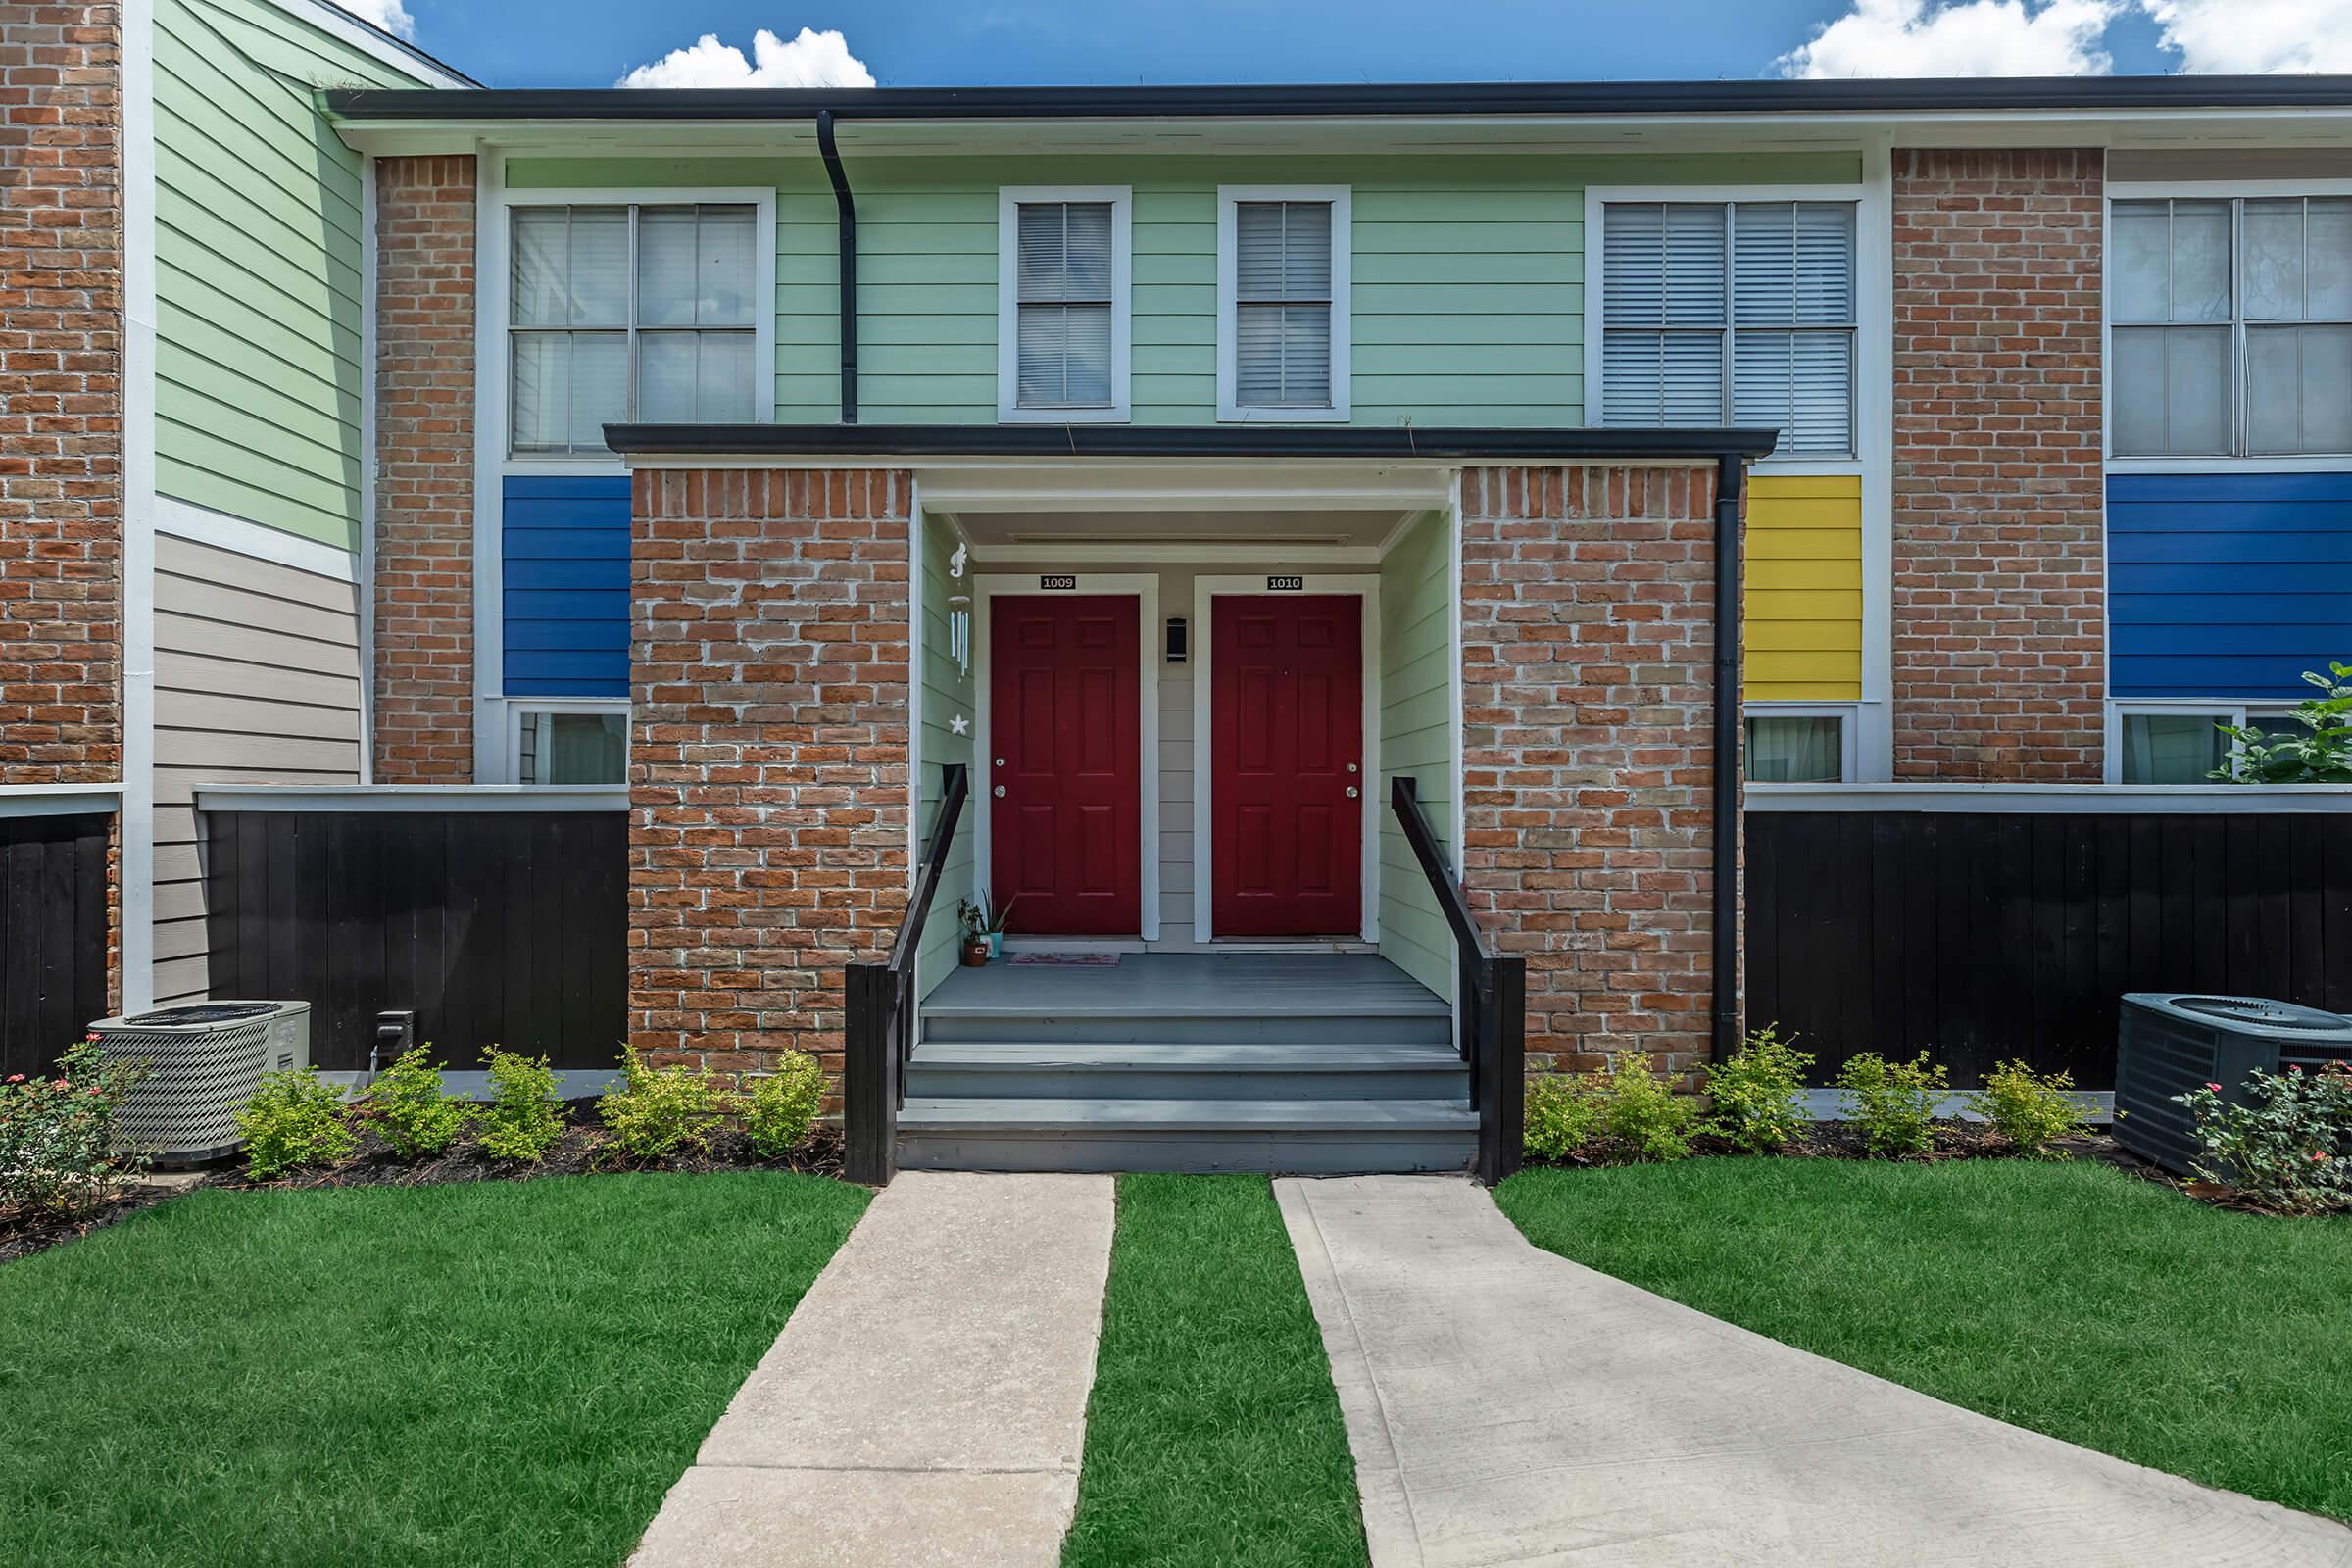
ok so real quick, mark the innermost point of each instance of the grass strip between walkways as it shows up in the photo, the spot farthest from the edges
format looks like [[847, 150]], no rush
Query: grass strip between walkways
[[504, 1374], [1213, 1435], [2069, 1298]]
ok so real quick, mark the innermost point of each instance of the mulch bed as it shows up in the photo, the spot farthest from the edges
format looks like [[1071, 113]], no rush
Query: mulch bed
[[375, 1165]]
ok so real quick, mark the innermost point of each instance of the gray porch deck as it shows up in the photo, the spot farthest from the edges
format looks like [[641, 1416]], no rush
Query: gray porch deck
[[1268, 1061]]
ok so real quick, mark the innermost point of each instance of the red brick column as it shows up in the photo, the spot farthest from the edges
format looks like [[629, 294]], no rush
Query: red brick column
[[2000, 599], [1587, 626], [768, 812], [424, 457], [61, 394]]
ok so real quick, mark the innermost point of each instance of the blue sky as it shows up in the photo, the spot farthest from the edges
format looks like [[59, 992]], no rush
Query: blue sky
[[573, 43]]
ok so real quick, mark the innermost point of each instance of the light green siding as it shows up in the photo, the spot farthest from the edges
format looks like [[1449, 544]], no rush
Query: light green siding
[[1467, 304], [258, 269], [947, 693], [1416, 741]]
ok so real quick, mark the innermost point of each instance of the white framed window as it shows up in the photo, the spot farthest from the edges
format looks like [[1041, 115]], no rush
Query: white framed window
[[1064, 279], [568, 740], [1800, 743], [656, 308], [1284, 277], [1729, 310], [2180, 741], [2230, 325]]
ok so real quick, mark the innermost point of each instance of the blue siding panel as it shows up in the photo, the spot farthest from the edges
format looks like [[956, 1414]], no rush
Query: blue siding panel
[[566, 592], [2227, 584]]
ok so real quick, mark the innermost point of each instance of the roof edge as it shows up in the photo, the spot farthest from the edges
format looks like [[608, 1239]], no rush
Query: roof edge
[[1400, 443]]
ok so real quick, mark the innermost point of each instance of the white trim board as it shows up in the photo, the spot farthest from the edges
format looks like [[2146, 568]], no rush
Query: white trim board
[[137, 826], [60, 800], [1206, 590], [412, 798], [1343, 254], [1144, 588], [2057, 800], [339, 24], [220, 530], [1010, 200]]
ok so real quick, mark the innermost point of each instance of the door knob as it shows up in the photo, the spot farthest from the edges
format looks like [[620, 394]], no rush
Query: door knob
[[1000, 792], [1350, 792]]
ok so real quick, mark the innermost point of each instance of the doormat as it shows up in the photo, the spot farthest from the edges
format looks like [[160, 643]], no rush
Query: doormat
[[1094, 960]]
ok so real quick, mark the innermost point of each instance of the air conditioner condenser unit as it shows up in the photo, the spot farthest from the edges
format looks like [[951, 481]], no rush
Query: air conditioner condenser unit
[[203, 1061]]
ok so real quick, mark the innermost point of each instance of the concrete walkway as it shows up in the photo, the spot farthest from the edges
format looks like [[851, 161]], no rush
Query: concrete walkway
[[1510, 1407], [926, 1404]]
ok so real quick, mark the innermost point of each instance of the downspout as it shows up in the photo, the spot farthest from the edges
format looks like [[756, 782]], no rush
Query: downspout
[[847, 204], [1731, 472]]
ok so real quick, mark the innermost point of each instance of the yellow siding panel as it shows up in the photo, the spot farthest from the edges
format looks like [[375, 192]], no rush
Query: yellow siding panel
[[1803, 616]]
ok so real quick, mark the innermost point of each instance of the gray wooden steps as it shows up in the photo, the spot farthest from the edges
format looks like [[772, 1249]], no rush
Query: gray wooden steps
[[1321, 1064]]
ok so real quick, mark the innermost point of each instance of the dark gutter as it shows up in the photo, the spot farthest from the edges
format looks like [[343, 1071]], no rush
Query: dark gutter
[[847, 205], [1378, 101], [1731, 474], [1390, 443]]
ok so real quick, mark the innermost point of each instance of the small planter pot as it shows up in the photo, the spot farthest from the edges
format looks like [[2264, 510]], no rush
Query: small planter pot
[[975, 952], [996, 943]]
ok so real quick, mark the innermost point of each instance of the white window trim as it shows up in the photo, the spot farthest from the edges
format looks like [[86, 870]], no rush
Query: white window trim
[[518, 707], [1010, 200], [493, 731], [1873, 296], [1849, 729], [495, 302], [2230, 190], [2221, 709], [1230, 408]]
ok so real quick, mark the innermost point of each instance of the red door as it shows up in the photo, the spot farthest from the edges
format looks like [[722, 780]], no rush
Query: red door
[[1286, 764], [1065, 777]]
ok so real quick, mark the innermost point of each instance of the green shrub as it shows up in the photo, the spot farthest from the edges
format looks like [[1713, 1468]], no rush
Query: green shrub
[[521, 1121], [1893, 1102], [413, 1114], [1640, 1118], [781, 1107], [1563, 1111], [1759, 1091], [2321, 754], [57, 1133], [661, 1112], [2031, 1111], [294, 1120], [2289, 1149]]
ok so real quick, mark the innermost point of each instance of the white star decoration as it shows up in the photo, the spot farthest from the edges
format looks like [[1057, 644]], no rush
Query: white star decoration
[[959, 724]]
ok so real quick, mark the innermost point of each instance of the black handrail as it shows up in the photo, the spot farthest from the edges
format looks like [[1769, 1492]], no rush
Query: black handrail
[[1493, 1010], [878, 1009]]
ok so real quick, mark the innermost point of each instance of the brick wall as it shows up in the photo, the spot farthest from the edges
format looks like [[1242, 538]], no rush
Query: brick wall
[[61, 394], [768, 816], [424, 456], [1999, 598], [1588, 643]]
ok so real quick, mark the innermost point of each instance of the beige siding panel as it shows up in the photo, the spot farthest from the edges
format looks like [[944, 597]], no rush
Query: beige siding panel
[[257, 682]]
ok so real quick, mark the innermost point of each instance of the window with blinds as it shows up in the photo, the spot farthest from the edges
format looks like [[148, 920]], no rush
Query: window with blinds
[[2232, 327], [1730, 313], [620, 314], [1282, 303], [1064, 294]]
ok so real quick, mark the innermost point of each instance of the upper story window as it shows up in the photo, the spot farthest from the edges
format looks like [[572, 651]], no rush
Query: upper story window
[[1063, 319], [1732, 313], [629, 313], [1282, 302], [2231, 324]]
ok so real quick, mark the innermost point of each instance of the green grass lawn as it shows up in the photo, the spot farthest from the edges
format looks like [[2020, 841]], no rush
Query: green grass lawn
[[1213, 1435], [2068, 1298], [500, 1373]]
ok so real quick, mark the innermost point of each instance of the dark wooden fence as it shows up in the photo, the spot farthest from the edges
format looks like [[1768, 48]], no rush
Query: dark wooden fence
[[52, 935], [1981, 937], [498, 928]]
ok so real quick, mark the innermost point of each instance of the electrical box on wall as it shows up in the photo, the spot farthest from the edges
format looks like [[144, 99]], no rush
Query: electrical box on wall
[[1176, 640]]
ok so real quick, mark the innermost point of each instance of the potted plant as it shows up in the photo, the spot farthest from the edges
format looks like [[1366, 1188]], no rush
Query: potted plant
[[983, 929]]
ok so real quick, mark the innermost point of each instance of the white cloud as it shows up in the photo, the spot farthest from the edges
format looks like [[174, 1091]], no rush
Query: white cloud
[[389, 15], [811, 60], [1974, 38], [2256, 36]]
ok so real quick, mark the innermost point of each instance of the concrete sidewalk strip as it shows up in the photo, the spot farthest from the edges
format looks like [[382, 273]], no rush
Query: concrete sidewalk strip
[[926, 1404], [1506, 1406]]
